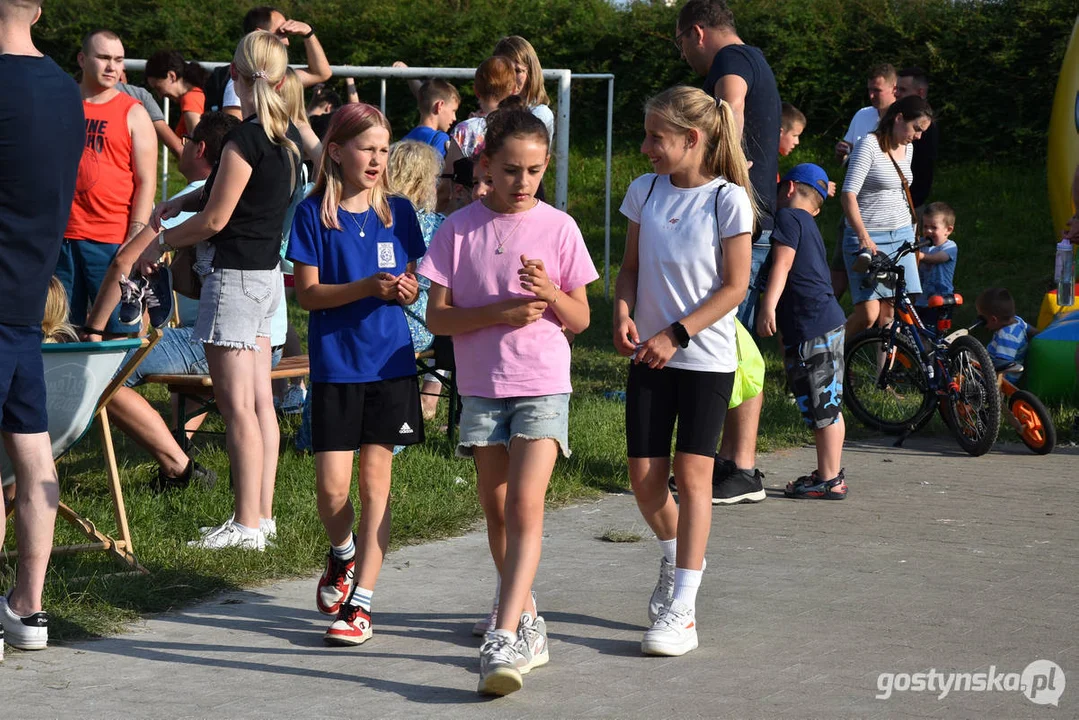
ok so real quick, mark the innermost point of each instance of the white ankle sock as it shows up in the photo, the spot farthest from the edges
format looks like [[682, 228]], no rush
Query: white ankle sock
[[346, 551], [686, 583], [247, 532], [362, 597], [669, 548]]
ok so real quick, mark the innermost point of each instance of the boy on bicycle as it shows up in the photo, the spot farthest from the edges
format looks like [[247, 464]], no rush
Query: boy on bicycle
[[798, 301]]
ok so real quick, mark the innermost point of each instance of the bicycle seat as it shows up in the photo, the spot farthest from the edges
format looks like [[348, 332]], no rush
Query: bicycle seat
[[1008, 367], [937, 301]]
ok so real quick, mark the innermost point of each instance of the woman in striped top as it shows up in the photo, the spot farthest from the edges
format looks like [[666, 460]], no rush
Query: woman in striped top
[[878, 216]]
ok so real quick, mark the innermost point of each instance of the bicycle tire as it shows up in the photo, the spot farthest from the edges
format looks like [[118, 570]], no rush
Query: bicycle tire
[[893, 401], [974, 404], [1039, 434]]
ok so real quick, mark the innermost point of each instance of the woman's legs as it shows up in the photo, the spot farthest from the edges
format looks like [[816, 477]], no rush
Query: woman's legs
[[267, 419], [864, 316], [234, 375]]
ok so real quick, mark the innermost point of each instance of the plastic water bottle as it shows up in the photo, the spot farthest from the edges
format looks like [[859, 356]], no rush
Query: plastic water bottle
[[1065, 273]]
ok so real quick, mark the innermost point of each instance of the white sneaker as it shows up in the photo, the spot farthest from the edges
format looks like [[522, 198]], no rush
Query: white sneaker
[[230, 535], [268, 526], [532, 642], [26, 633], [663, 592], [207, 529], [500, 663], [489, 623], [673, 633]]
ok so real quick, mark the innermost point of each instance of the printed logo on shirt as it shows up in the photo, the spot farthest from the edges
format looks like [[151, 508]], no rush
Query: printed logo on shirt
[[672, 221], [386, 256], [406, 429]]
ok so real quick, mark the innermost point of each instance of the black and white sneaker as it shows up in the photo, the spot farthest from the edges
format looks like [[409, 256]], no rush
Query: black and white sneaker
[[205, 477], [720, 472], [158, 296], [740, 486], [26, 633], [132, 290]]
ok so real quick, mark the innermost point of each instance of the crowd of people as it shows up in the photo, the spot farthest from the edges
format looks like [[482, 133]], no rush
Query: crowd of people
[[443, 233]]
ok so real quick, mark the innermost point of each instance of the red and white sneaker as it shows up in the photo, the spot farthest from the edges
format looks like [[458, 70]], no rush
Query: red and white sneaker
[[335, 584], [352, 627]]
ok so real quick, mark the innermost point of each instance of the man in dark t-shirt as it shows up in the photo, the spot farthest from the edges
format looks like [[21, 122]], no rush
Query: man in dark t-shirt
[[42, 133], [914, 81]]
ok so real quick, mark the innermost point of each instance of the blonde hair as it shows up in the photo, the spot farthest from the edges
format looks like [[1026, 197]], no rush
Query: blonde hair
[[54, 325], [292, 93], [687, 108], [350, 120], [413, 173], [260, 63], [520, 51]]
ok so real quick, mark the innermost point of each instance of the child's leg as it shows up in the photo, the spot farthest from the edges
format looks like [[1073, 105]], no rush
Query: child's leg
[[373, 533], [333, 478], [492, 472], [271, 434], [830, 449], [648, 479], [531, 463], [693, 474]]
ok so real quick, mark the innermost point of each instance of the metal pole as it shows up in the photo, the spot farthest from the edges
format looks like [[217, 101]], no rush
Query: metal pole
[[561, 193], [165, 160], [607, 195], [382, 97]]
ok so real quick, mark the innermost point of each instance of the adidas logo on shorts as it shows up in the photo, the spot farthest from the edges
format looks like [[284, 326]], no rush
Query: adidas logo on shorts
[[406, 429]]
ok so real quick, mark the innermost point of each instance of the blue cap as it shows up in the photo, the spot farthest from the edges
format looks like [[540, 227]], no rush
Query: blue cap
[[811, 175]]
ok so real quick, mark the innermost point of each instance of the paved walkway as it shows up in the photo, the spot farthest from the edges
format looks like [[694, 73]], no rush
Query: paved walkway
[[935, 561]]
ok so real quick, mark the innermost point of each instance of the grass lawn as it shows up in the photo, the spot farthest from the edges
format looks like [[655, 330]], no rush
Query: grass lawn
[[1004, 236]]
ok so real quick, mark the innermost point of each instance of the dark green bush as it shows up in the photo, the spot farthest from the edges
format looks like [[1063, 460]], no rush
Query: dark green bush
[[993, 64]]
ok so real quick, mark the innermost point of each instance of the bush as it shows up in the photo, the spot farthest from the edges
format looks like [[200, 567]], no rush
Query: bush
[[993, 65]]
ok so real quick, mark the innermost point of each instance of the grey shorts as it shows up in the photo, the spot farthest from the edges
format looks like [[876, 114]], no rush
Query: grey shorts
[[236, 306], [496, 421]]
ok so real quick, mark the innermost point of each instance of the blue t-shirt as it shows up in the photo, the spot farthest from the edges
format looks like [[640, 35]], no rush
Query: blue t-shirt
[[366, 340], [435, 138], [807, 308], [937, 279], [1010, 344], [42, 133]]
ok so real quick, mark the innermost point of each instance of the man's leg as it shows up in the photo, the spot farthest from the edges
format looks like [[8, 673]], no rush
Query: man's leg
[[739, 443], [36, 499]]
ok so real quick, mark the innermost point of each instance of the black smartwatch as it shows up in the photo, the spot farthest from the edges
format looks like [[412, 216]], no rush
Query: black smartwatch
[[680, 334], [308, 35]]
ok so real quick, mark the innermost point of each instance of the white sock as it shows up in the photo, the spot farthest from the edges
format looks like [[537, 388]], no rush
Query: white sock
[[362, 597], [686, 583], [669, 548], [346, 551], [247, 532]]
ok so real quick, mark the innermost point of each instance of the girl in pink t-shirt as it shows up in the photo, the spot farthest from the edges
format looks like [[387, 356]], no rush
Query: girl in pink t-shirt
[[508, 274]]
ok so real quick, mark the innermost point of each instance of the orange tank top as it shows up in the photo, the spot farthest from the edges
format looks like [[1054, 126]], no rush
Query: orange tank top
[[106, 183]]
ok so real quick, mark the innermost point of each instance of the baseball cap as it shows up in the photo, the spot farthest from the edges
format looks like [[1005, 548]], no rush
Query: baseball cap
[[811, 175]]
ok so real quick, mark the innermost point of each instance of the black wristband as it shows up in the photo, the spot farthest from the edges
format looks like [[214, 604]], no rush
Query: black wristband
[[680, 334], [92, 331], [308, 35]]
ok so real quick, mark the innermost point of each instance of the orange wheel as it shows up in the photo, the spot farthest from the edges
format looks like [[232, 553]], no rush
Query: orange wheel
[[1038, 432]]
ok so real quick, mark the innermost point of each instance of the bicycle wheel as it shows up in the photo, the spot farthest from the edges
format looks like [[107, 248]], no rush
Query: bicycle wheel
[[973, 401], [888, 392], [1038, 432]]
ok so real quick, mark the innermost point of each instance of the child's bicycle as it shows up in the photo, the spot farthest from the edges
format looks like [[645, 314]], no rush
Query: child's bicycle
[[896, 377], [1026, 413]]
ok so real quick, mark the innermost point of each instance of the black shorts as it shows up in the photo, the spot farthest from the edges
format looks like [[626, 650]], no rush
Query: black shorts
[[22, 381], [656, 398], [345, 416]]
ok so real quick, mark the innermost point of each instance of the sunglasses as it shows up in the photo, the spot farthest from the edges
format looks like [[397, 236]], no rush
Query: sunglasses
[[678, 39], [186, 138]]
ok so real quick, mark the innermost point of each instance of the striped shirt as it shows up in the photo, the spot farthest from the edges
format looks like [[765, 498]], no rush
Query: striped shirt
[[873, 180], [1009, 344]]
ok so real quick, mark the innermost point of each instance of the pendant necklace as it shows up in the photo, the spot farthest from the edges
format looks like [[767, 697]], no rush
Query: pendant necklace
[[503, 240], [361, 227]]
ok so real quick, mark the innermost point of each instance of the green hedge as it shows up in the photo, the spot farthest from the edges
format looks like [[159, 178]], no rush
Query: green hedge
[[993, 64]]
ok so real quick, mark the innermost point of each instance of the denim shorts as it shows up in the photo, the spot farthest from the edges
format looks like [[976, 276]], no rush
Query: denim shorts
[[887, 241], [177, 353], [236, 306], [496, 421]]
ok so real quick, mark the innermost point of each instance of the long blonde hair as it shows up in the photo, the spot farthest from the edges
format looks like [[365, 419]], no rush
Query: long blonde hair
[[292, 93], [350, 120], [520, 51], [54, 325], [413, 173], [260, 63], [688, 108]]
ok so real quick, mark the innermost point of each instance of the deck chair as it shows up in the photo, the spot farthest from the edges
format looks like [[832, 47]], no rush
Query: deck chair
[[441, 354], [80, 379]]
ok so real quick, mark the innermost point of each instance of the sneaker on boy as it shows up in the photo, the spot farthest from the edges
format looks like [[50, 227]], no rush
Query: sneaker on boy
[[811, 486], [500, 663], [352, 626], [673, 633], [532, 642], [336, 583], [30, 632]]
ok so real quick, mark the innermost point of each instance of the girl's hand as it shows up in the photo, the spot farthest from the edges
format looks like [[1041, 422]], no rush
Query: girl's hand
[[658, 350], [408, 288], [521, 312], [534, 279], [867, 243], [626, 338], [766, 321], [382, 285]]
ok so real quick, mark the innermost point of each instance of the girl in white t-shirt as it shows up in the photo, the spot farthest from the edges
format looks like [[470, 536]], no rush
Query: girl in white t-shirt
[[529, 85], [686, 269]]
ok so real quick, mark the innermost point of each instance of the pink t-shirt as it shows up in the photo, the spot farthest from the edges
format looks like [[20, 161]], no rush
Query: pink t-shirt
[[502, 361]]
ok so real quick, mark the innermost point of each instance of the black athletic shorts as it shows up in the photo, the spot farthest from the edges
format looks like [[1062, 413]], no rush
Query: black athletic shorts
[[345, 416], [656, 398]]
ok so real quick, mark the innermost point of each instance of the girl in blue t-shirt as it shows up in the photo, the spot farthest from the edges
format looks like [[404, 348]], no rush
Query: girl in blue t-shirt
[[354, 248]]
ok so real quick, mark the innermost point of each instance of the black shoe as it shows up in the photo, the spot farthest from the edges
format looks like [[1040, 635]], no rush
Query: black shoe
[[740, 486], [203, 476], [132, 291], [720, 472], [158, 296]]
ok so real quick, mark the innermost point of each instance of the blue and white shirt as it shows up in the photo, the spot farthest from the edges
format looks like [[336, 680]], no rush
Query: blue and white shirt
[[1010, 344]]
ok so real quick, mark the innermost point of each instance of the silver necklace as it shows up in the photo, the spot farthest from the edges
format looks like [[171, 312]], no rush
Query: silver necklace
[[503, 240], [361, 227]]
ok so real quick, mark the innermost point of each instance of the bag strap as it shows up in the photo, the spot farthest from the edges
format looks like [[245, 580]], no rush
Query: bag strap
[[906, 187], [650, 189]]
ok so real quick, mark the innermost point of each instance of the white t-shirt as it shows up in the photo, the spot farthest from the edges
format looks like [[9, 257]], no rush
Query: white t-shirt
[[681, 261], [231, 99], [545, 114], [864, 122]]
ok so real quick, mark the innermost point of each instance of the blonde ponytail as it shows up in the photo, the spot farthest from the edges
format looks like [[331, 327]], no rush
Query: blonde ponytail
[[687, 108], [260, 62], [54, 323]]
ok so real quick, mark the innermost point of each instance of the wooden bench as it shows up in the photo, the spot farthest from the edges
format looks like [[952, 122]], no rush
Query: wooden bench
[[197, 389]]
